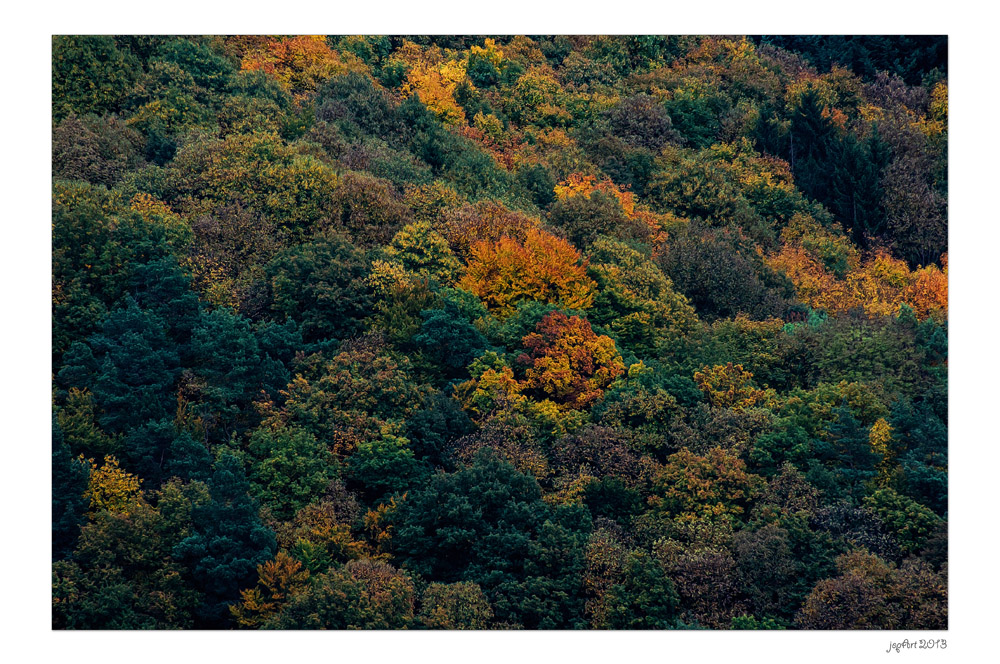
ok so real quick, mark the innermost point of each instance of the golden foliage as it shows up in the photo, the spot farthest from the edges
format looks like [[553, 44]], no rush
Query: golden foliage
[[387, 277], [493, 383], [429, 201], [936, 122], [730, 386], [301, 63], [504, 145], [77, 420], [542, 268], [378, 525], [828, 274], [435, 86], [710, 486], [652, 226], [111, 488], [580, 184], [880, 440], [424, 252], [277, 580], [322, 529], [460, 605]]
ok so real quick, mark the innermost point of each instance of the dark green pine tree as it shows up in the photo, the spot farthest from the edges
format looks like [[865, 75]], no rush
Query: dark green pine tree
[[233, 370], [645, 599], [322, 285], [158, 450], [855, 461], [856, 185], [812, 138], [431, 429], [163, 288], [924, 438], [449, 338], [69, 482], [933, 338], [488, 524], [131, 366], [188, 458], [228, 542]]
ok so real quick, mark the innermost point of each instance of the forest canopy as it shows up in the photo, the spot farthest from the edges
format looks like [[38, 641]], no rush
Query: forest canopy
[[473, 332]]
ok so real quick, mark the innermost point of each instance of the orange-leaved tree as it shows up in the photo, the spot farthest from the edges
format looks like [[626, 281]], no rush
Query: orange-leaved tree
[[829, 274], [542, 267], [568, 362], [301, 63], [467, 224]]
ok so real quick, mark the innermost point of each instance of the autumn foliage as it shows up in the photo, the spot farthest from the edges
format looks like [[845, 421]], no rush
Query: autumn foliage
[[541, 268], [568, 362], [301, 63], [730, 386], [463, 332], [829, 274]]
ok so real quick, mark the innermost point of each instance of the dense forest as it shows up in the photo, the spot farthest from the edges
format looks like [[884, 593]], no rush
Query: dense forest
[[499, 332]]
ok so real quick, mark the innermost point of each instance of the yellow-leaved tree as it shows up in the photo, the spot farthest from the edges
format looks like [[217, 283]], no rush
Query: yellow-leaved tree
[[729, 386], [880, 440], [277, 580], [111, 488]]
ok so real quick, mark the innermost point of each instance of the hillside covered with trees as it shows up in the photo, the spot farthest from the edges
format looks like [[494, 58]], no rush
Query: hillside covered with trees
[[499, 332]]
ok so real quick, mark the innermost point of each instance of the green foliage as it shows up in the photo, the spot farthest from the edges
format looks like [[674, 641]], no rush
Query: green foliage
[[357, 395], [259, 172], [69, 482], [584, 218], [723, 277], [90, 74], [158, 450], [289, 468], [487, 524], [866, 55], [385, 465], [750, 622], [455, 606], [99, 150], [322, 285], [130, 366], [449, 337], [122, 576], [363, 594], [97, 245], [233, 371], [636, 300], [646, 598], [908, 520], [423, 251], [227, 541]]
